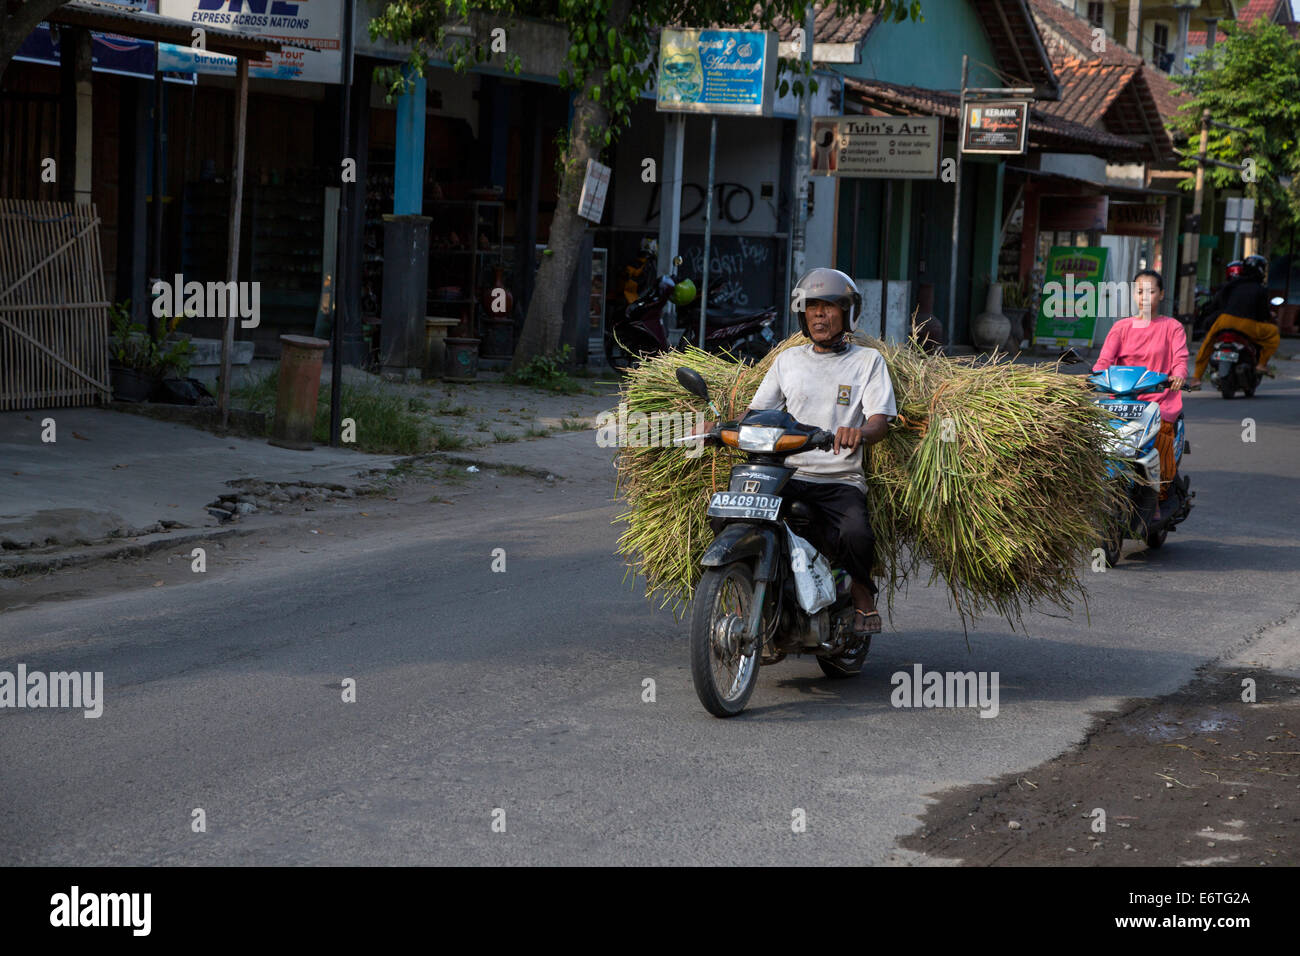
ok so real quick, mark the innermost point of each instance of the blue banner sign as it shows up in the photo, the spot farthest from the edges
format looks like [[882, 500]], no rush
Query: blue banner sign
[[717, 71]]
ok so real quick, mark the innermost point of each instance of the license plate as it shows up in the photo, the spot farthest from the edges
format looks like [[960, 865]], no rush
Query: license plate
[[734, 504], [1127, 409], [1225, 356]]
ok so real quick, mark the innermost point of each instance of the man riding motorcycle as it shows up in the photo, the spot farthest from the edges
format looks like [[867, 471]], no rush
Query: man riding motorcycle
[[1243, 305], [845, 389]]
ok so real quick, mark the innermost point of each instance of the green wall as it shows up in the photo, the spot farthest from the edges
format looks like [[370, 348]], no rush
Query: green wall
[[927, 54]]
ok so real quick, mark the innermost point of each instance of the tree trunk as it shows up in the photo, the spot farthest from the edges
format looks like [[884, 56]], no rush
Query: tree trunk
[[544, 322]]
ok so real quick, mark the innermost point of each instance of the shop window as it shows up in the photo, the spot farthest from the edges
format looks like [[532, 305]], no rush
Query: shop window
[[1097, 14]]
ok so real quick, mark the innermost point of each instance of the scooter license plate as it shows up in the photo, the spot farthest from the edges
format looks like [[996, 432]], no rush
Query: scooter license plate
[[734, 504], [1225, 356], [1127, 409]]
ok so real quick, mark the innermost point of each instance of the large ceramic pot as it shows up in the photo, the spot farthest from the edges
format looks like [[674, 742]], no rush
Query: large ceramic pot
[[991, 328], [131, 385]]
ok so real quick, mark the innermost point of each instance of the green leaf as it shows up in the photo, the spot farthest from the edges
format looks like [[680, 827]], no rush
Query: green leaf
[[595, 94]]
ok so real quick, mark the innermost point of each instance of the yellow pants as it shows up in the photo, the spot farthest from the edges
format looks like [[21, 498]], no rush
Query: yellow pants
[[1265, 335]]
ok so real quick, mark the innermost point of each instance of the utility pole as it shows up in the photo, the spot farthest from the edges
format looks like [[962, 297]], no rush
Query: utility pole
[[1192, 237], [802, 151], [345, 229]]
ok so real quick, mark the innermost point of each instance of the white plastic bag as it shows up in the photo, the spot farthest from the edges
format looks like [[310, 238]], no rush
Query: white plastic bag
[[813, 580]]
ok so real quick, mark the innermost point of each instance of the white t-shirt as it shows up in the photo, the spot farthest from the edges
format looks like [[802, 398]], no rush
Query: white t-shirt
[[829, 390]]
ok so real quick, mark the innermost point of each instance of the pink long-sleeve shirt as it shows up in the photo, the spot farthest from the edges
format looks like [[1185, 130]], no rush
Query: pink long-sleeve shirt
[[1160, 346]]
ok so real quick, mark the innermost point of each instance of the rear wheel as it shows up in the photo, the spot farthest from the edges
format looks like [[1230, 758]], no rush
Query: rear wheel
[[723, 668], [1226, 390], [1156, 539]]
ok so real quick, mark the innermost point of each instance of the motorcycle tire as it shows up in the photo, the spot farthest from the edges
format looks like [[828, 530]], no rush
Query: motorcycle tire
[[619, 359], [1227, 391], [723, 600], [1249, 392], [1156, 539]]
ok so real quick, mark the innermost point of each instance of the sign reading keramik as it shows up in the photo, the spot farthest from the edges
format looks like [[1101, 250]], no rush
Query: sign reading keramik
[[717, 71], [893, 147], [995, 126], [315, 22]]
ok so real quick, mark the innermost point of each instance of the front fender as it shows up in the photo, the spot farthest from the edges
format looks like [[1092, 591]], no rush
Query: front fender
[[744, 541]]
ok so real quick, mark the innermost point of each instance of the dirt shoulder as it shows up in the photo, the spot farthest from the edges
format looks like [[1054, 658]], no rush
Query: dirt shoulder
[[1197, 778]]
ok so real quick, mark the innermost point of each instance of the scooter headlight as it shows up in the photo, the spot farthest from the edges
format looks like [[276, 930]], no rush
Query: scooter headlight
[[756, 438]]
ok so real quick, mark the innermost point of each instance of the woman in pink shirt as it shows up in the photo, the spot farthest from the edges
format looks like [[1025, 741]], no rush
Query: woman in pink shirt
[[1159, 343]]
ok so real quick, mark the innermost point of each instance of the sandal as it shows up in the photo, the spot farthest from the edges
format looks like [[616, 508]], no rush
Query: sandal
[[869, 627]]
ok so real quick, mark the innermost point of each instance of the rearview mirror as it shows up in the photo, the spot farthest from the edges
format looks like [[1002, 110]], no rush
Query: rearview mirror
[[693, 382]]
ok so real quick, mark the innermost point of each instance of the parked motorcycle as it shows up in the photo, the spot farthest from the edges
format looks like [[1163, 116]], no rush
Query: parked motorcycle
[[747, 610], [1234, 361], [746, 335], [638, 330], [1136, 425]]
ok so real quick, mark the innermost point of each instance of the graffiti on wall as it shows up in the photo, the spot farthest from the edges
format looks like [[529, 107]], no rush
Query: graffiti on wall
[[735, 202]]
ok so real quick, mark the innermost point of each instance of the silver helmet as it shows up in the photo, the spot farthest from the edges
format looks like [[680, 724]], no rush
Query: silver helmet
[[828, 285]]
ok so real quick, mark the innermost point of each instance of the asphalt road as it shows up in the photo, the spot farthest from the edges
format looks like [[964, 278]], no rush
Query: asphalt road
[[479, 691]]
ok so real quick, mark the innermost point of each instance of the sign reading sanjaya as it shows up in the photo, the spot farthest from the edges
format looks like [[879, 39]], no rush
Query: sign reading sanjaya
[[717, 71], [896, 147], [316, 22]]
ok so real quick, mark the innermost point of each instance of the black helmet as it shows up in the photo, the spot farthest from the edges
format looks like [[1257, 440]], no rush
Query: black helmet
[[827, 285], [1255, 267]]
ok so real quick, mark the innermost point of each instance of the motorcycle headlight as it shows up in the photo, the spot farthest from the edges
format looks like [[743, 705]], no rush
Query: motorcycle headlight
[[756, 438]]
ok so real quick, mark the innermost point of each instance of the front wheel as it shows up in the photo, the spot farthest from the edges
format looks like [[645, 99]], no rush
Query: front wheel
[[724, 669], [1156, 539]]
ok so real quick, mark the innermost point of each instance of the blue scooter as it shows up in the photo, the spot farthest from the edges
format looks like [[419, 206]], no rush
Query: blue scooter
[[1135, 425]]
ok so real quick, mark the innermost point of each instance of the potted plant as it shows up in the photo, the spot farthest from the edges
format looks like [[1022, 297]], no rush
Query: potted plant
[[138, 361], [1017, 303]]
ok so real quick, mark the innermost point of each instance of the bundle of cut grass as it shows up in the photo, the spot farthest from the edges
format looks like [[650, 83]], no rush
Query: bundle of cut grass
[[993, 474]]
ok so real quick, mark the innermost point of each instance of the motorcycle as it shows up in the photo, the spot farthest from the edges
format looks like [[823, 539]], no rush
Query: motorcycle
[[1234, 359], [638, 330], [746, 335], [1136, 424], [747, 610]]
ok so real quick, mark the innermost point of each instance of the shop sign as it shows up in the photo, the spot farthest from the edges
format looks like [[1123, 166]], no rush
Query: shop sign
[[316, 22], [869, 147], [1072, 290], [1136, 219], [995, 126], [1074, 213], [717, 71], [591, 203], [109, 52]]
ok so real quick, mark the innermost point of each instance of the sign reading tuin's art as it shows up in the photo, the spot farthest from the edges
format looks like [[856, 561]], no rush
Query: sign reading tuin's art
[[717, 71], [865, 147]]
